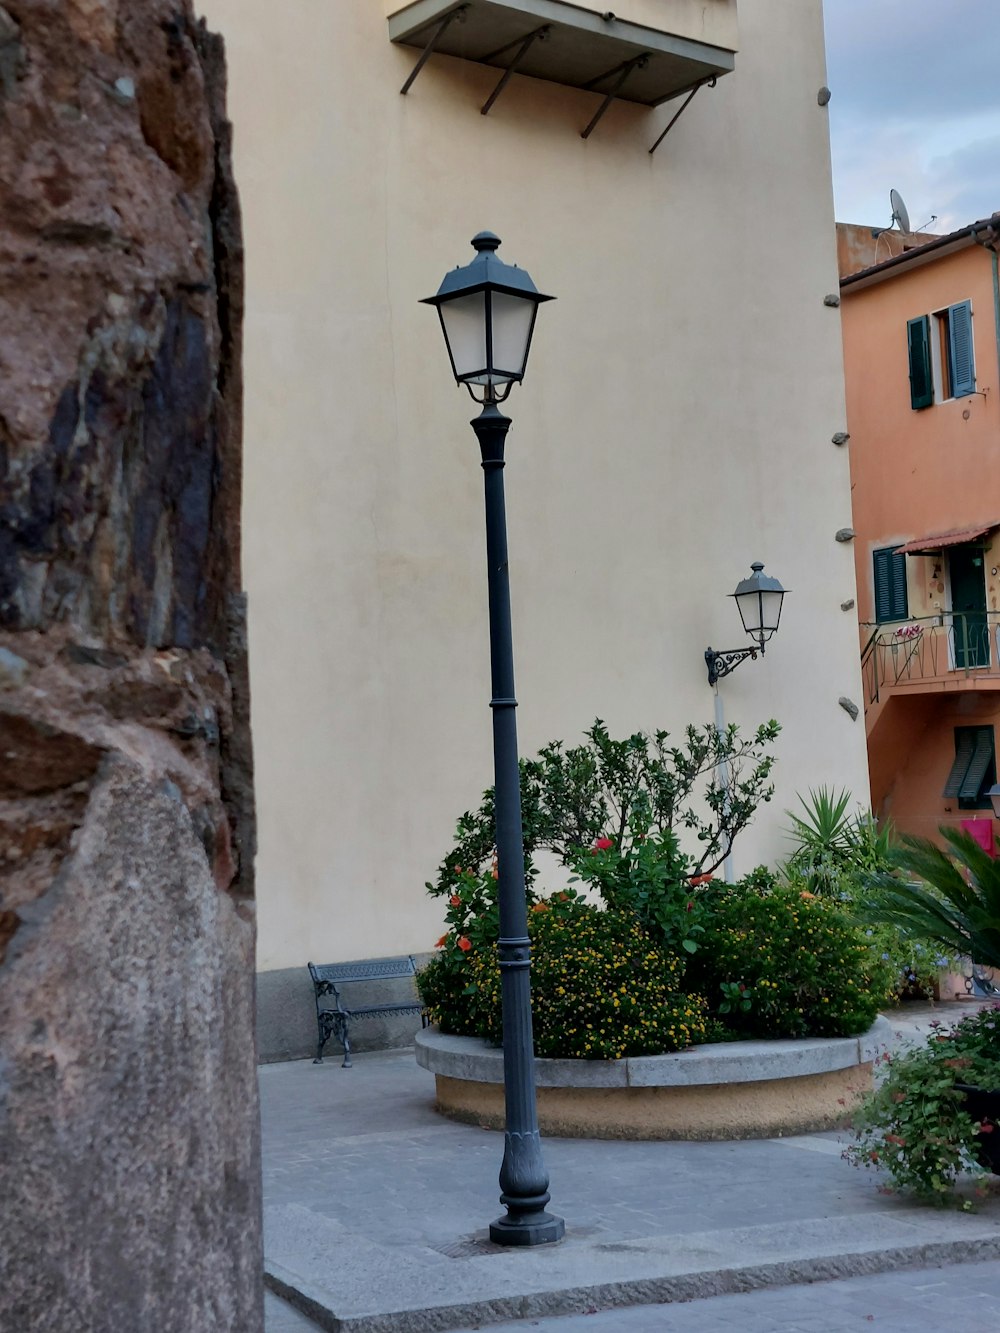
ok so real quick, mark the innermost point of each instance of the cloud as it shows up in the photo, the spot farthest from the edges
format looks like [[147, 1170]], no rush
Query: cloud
[[916, 104]]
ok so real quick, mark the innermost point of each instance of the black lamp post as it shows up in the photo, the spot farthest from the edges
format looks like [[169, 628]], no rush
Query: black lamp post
[[487, 312], [759, 600]]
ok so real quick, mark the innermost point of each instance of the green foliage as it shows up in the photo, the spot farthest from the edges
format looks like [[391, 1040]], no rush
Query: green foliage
[[473, 923], [843, 856], [809, 970], [915, 1125], [950, 897], [833, 847], [647, 875], [571, 796], [736, 998], [602, 988]]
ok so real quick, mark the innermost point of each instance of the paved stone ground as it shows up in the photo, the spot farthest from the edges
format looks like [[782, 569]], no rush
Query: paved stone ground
[[930, 1300], [375, 1207]]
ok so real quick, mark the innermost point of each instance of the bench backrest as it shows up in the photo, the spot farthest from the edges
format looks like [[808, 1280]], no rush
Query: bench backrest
[[328, 976]]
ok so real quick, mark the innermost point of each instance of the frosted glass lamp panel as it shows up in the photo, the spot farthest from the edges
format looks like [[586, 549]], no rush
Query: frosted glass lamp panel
[[513, 317], [760, 612], [464, 324]]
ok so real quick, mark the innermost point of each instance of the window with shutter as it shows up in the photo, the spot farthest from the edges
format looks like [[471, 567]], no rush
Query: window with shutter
[[974, 770], [961, 367], [952, 354], [921, 381], [890, 584]]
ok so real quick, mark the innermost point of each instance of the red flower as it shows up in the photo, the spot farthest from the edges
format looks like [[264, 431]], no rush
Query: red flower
[[695, 880], [690, 907], [464, 943], [985, 1128], [894, 1138], [455, 900], [603, 845], [441, 942]]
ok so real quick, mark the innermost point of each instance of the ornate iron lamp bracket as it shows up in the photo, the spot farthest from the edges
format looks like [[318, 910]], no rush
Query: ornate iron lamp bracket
[[721, 661]]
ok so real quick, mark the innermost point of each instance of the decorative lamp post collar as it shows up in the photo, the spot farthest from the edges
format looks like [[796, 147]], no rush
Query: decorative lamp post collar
[[759, 599], [487, 310]]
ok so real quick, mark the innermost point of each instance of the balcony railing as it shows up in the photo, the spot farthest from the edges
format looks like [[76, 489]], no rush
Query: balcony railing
[[943, 648]]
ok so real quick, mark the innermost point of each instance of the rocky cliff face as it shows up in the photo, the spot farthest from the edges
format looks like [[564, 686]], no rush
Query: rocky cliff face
[[129, 1167]]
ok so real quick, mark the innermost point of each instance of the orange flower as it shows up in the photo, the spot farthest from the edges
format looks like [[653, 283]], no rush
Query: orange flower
[[455, 900], [806, 894], [894, 1138], [464, 943], [441, 942], [695, 880], [539, 907]]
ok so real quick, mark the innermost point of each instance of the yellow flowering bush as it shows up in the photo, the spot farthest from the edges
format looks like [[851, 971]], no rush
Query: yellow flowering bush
[[799, 965], [601, 987]]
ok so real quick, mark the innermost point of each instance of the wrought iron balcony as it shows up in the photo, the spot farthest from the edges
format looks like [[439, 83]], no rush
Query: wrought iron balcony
[[957, 650]]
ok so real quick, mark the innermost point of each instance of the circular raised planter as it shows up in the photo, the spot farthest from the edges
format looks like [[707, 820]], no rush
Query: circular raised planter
[[729, 1090]]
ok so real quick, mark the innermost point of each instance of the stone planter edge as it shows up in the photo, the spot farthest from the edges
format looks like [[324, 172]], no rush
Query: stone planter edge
[[471, 1059]]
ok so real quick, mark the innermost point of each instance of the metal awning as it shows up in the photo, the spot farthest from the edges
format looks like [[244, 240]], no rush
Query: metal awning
[[924, 545], [564, 43]]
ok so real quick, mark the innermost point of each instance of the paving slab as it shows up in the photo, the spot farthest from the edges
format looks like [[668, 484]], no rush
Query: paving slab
[[376, 1211]]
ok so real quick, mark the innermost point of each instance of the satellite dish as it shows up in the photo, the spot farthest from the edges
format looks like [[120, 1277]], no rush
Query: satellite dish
[[899, 213]]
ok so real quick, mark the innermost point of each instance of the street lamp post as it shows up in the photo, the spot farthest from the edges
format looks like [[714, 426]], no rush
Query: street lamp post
[[487, 310]]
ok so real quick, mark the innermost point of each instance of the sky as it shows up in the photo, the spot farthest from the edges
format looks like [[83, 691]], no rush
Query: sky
[[916, 108]]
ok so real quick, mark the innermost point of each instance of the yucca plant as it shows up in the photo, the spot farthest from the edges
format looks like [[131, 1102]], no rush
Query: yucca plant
[[950, 896], [822, 837]]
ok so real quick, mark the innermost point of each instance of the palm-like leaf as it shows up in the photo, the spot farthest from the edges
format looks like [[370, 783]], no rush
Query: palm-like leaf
[[826, 827], [942, 907]]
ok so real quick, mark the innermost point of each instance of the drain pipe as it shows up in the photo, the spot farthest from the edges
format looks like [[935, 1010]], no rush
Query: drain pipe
[[990, 241]]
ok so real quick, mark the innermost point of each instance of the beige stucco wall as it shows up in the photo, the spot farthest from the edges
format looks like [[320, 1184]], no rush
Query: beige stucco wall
[[674, 425]]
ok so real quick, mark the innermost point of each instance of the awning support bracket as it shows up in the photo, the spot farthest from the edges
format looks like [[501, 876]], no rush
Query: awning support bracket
[[623, 71], [457, 13], [711, 82], [539, 35]]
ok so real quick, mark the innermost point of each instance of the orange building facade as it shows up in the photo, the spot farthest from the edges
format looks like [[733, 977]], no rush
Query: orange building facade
[[922, 362]]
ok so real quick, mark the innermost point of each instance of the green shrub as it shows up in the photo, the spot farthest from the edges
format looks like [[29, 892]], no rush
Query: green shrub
[[949, 898], [646, 875], [806, 967], [572, 796], [602, 988], [915, 1125]]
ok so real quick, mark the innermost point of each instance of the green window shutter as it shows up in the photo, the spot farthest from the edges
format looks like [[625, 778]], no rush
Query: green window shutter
[[982, 755], [921, 382], [965, 743], [974, 769], [890, 585], [962, 364]]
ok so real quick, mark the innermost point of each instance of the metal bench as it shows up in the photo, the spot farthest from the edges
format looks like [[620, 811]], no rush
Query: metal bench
[[333, 1017]]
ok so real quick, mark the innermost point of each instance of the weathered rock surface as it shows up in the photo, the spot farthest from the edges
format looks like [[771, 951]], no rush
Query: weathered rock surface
[[129, 1158]]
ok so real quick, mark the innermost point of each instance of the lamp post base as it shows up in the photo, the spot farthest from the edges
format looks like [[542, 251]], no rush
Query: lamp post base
[[534, 1229]]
